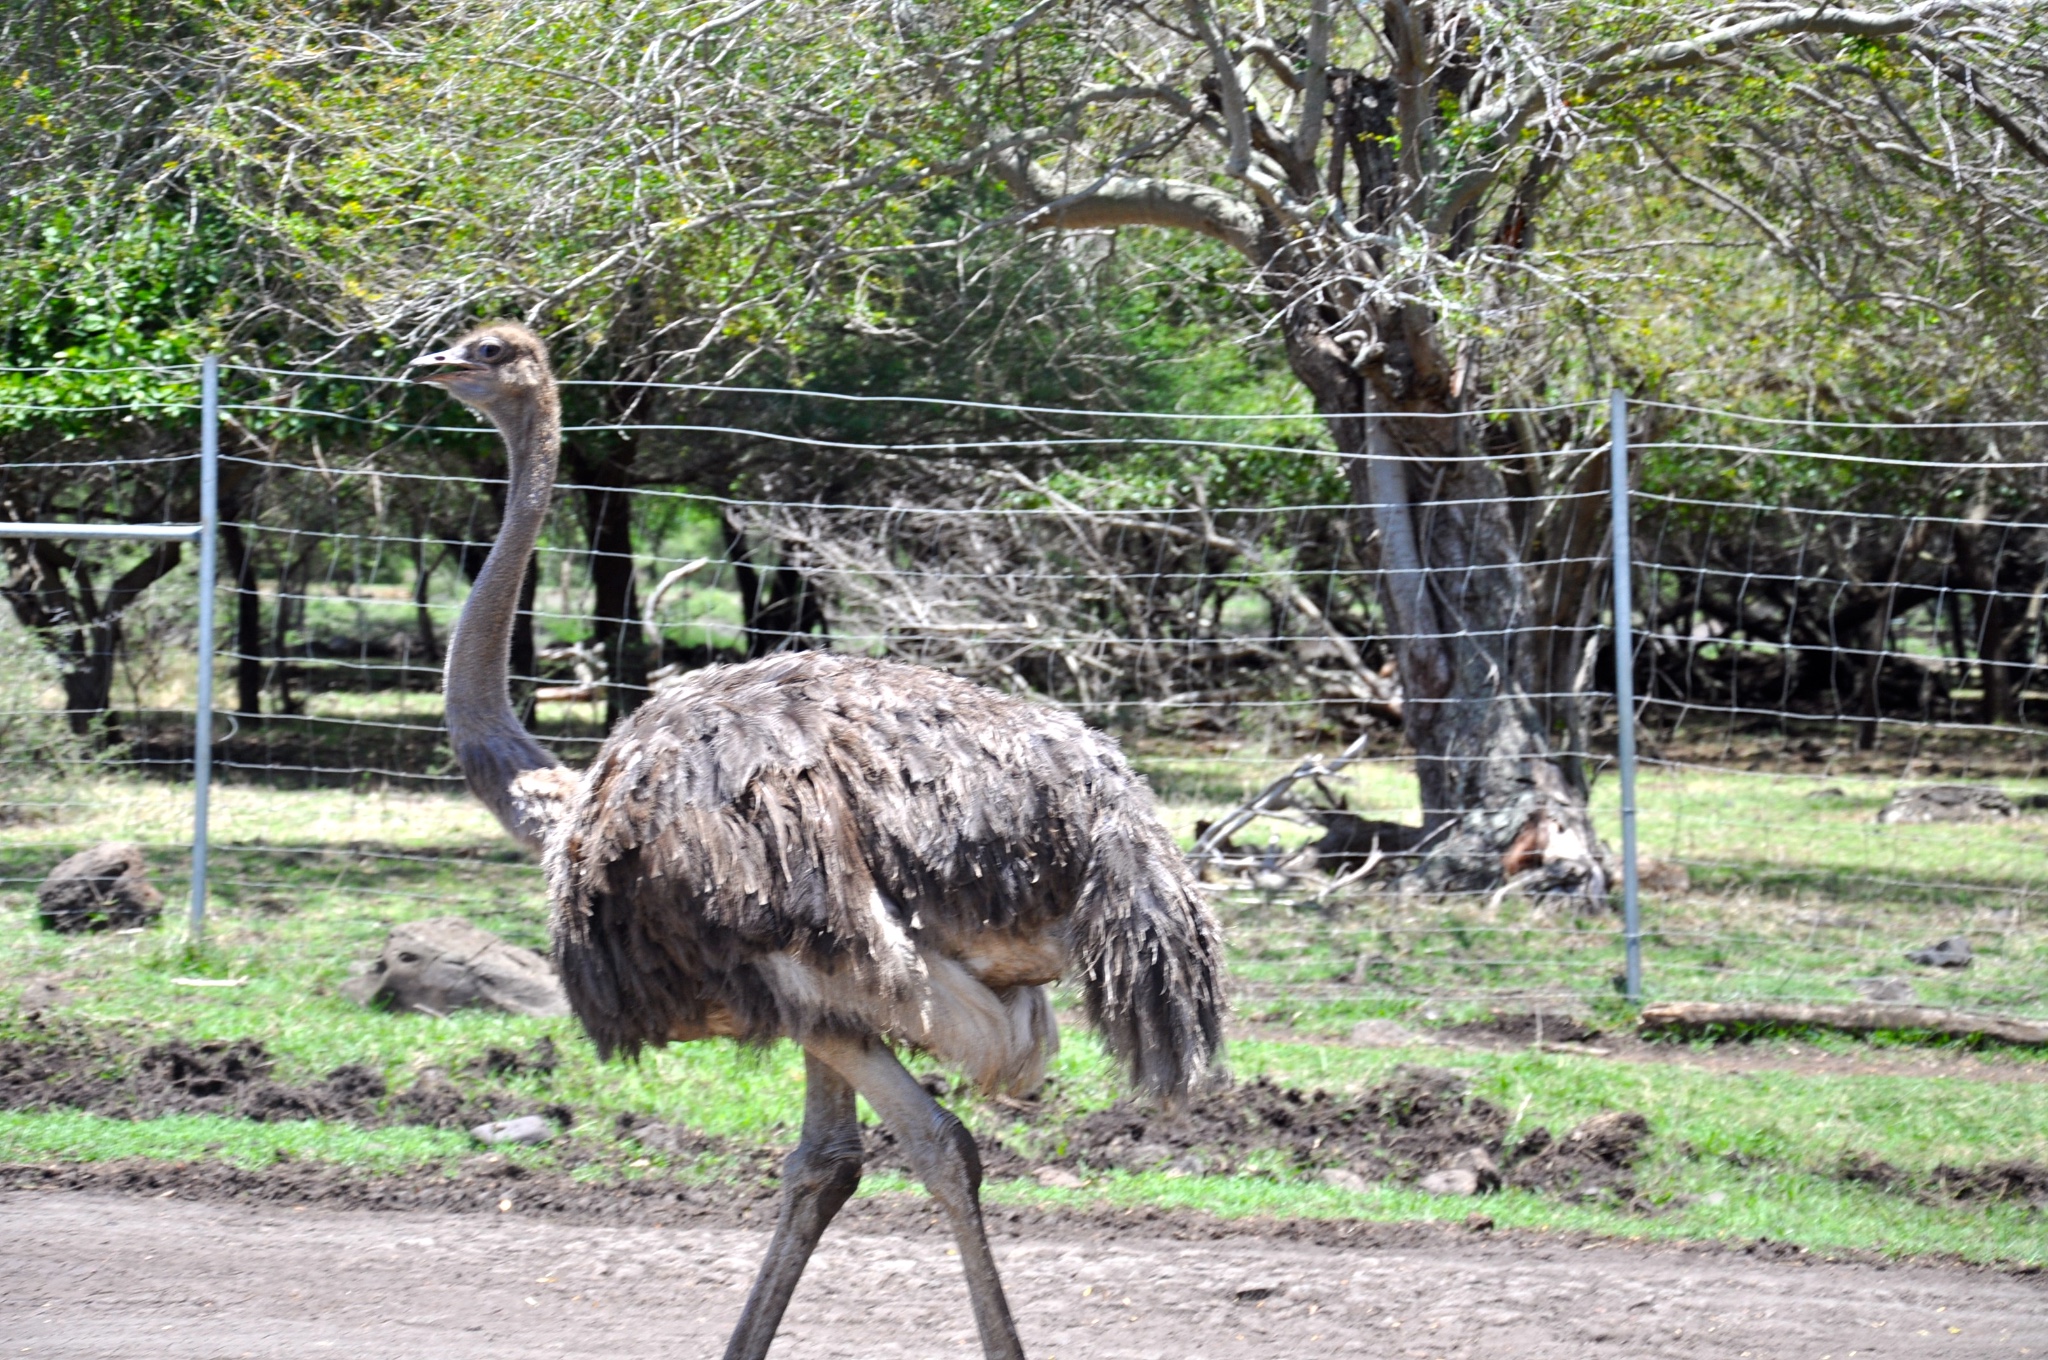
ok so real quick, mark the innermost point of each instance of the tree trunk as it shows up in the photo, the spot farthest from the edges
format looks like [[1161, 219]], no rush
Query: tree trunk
[[792, 611], [422, 588], [1566, 543], [248, 621], [2000, 614], [608, 516], [1496, 805]]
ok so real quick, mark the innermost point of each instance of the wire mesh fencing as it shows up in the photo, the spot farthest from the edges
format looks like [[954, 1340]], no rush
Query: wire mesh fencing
[[1825, 615]]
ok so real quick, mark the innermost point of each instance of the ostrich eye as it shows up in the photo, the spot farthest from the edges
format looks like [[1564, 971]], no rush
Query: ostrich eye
[[489, 349]]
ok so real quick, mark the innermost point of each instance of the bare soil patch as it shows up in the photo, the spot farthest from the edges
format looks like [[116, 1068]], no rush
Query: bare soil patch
[[1423, 1125], [1421, 1120], [101, 1274], [58, 1066]]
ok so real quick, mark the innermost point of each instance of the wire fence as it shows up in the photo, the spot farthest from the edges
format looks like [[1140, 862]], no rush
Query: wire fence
[[1829, 619]]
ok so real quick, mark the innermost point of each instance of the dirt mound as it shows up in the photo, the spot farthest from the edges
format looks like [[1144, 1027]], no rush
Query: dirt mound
[[1592, 1160], [2014, 1181], [541, 1059], [2007, 1182], [1420, 1121], [1525, 1027], [44, 1066]]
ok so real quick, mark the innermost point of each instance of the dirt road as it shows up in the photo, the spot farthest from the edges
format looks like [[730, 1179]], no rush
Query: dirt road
[[112, 1275]]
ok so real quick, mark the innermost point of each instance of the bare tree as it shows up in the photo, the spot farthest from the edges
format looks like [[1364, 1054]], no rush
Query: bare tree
[[1380, 171]]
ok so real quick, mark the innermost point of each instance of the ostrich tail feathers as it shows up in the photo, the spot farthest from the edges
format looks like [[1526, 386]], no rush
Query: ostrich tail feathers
[[1150, 956]]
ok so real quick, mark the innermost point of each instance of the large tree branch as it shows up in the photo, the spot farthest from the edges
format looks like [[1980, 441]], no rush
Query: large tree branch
[[1315, 84], [1120, 200], [1229, 89], [1415, 91], [1822, 18]]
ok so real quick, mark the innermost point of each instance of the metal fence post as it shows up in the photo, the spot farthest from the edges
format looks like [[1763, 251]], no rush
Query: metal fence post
[[1625, 698], [202, 718]]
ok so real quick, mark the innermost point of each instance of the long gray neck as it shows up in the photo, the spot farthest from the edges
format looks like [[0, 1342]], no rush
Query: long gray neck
[[491, 745]]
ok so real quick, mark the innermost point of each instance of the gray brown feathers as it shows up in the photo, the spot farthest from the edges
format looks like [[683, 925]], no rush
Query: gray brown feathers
[[762, 847]]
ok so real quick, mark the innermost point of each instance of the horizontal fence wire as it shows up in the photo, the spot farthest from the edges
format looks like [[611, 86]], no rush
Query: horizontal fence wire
[[1830, 615]]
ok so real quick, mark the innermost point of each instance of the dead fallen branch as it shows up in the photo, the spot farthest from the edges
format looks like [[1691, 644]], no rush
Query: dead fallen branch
[[1669, 1017], [1272, 797]]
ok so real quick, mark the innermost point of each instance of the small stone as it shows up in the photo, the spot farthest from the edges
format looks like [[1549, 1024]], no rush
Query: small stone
[[1953, 952], [1057, 1178], [528, 1128], [1345, 1179], [1251, 1291], [1384, 1034], [1829, 792], [1478, 1223]]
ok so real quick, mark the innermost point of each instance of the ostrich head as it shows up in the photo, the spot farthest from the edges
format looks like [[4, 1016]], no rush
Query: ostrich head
[[497, 365]]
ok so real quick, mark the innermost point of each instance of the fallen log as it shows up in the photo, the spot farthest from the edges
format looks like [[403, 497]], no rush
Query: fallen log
[[1691, 1016]]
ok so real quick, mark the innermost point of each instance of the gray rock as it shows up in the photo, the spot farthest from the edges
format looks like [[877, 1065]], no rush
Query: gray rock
[[1344, 1178], [1946, 803], [104, 888], [440, 966], [1471, 1172], [1886, 989], [1454, 1180], [1251, 1291], [527, 1128], [1954, 952]]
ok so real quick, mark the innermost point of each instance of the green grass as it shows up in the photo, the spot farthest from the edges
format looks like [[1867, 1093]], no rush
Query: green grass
[[72, 1136], [310, 881]]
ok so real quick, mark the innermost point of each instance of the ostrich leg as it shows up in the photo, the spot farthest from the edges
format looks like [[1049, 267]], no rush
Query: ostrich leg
[[942, 1151], [817, 1178]]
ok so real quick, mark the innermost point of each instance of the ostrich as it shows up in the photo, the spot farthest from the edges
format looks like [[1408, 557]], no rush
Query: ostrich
[[851, 853]]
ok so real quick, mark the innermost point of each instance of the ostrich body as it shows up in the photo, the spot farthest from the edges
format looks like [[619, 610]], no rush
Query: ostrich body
[[846, 852]]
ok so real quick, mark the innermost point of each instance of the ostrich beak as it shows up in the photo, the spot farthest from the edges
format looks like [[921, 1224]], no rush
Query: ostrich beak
[[446, 360]]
